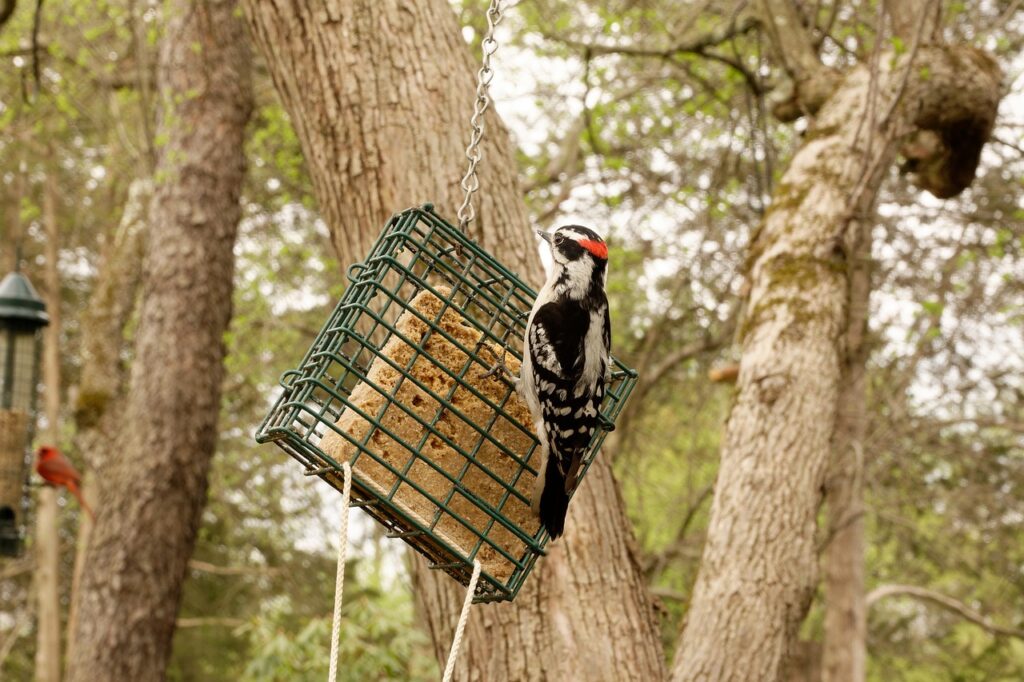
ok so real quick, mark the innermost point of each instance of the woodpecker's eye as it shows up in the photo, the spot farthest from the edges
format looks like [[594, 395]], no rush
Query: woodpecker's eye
[[559, 239]]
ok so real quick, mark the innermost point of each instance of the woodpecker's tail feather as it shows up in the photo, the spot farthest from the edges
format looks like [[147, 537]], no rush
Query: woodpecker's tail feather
[[553, 500]]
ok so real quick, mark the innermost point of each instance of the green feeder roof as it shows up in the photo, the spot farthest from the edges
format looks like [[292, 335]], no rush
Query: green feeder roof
[[20, 302]]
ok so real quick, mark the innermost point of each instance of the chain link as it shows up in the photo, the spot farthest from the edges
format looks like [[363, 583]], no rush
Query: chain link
[[470, 181]]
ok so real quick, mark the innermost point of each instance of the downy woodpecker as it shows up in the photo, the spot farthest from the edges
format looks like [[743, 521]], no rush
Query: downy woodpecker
[[565, 362]]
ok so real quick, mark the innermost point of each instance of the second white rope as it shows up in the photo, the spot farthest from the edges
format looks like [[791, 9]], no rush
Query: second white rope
[[449, 668], [339, 581]]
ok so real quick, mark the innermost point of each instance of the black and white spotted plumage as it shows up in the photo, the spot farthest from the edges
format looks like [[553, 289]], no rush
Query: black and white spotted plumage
[[565, 361]]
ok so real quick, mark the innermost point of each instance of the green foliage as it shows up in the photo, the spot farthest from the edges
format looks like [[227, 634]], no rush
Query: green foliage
[[378, 641], [277, 170]]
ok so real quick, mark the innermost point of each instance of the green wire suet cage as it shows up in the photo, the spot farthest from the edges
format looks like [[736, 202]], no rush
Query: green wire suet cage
[[397, 383]]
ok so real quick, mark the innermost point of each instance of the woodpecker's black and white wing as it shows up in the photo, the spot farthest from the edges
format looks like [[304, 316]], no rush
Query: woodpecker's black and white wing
[[569, 398], [557, 345]]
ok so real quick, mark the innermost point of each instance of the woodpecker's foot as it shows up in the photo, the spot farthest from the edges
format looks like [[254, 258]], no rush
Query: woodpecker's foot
[[500, 370]]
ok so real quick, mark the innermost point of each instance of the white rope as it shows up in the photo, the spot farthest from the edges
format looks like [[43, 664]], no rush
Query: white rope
[[339, 589], [339, 581], [449, 668]]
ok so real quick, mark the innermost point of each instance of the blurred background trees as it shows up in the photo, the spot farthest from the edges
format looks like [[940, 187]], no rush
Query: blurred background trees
[[656, 123]]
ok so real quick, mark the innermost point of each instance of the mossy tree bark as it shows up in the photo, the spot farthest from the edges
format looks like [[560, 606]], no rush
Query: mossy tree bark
[[154, 487], [380, 94], [759, 567]]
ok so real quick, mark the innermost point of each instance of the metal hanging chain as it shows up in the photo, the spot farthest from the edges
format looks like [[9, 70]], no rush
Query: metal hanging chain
[[470, 181]]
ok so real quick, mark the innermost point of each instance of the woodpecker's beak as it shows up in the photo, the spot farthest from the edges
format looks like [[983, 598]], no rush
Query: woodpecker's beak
[[546, 236]]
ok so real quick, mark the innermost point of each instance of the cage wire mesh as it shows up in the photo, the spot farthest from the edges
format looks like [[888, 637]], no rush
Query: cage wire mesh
[[442, 455]]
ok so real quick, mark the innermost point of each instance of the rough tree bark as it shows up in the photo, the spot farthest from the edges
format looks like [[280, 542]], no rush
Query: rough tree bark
[[98, 405], [759, 566], [47, 535], [155, 486], [380, 94]]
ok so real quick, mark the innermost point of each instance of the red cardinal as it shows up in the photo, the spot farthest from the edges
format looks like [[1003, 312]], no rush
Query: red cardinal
[[58, 471]]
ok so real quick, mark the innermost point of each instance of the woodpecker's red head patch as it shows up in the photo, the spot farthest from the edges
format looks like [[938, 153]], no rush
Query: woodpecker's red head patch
[[597, 249]]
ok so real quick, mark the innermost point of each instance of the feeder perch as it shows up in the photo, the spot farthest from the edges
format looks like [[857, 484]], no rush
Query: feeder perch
[[442, 455]]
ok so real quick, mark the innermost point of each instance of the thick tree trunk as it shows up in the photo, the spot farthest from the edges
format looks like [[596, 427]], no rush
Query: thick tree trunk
[[99, 405], [380, 94], [154, 487], [760, 562], [584, 615], [47, 536]]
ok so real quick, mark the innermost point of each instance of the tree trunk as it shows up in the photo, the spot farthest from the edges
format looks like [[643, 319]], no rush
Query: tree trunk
[[844, 650], [384, 121], [380, 93], [46, 585], [47, 537], [844, 655], [98, 404], [12, 217], [759, 566], [154, 486], [584, 614]]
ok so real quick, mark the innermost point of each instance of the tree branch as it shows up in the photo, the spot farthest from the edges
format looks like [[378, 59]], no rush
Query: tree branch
[[214, 569], [677, 357], [946, 602], [667, 593], [661, 370], [16, 568], [21, 618], [918, 36], [657, 563], [789, 37], [210, 622], [698, 46], [910, 17], [794, 47], [35, 44], [692, 46], [6, 10]]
